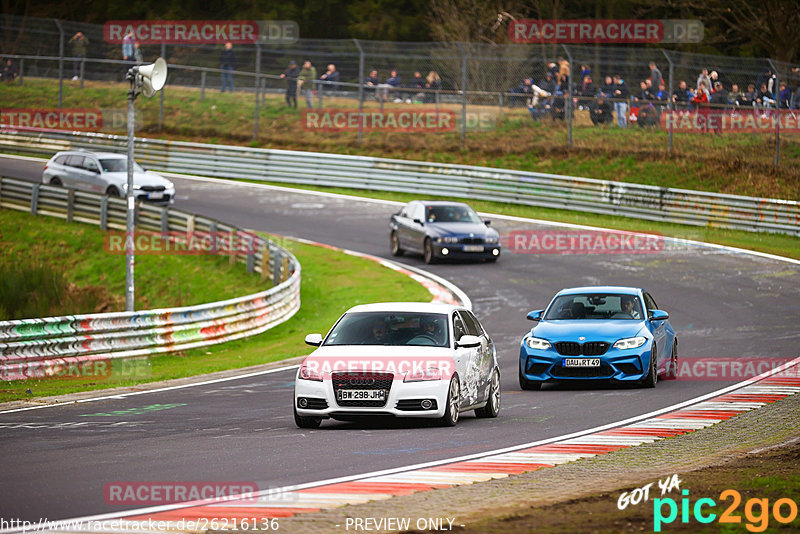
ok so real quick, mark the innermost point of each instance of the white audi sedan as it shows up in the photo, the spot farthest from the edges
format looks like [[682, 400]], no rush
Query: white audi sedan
[[401, 359]]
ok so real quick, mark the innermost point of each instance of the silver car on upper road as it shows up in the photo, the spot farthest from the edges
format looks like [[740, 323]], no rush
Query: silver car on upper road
[[106, 173]]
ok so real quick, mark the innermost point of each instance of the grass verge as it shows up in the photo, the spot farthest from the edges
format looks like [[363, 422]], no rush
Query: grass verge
[[328, 289]]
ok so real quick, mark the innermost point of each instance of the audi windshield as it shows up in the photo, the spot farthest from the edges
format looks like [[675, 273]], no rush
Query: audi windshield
[[387, 328]]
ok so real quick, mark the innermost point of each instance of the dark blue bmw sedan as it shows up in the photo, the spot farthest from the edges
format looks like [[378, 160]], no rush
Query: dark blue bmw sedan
[[599, 333], [442, 230]]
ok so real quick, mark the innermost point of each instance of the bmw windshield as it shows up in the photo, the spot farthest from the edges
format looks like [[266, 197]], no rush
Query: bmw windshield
[[391, 328], [599, 306], [118, 165], [452, 213]]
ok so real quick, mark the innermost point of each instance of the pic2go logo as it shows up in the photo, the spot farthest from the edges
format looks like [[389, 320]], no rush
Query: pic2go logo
[[756, 511]]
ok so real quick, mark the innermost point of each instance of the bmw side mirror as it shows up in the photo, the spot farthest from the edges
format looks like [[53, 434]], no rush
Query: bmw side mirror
[[419, 222], [535, 315], [658, 315], [315, 340], [487, 222], [468, 342]]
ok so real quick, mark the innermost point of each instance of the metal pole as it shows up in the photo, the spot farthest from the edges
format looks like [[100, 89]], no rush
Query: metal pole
[[129, 226], [670, 107], [360, 91], [161, 96], [82, 64], [202, 85], [21, 69], [258, 81], [60, 64], [778, 111], [464, 93], [568, 99]]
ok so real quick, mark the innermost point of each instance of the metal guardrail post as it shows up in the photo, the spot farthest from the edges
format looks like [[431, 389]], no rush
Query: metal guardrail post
[[21, 69], [35, 198], [360, 92], [104, 213], [60, 63], [165, 221], [70, 204], [500, 106], [670, 104], [81, 71], [264, 261], [251, 263], [202, 85], [277, 260]]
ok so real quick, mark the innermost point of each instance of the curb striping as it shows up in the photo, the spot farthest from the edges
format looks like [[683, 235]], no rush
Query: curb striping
[[759, 392]]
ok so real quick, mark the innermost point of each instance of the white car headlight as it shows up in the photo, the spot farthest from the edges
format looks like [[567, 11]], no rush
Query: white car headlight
[[536, 343], [630, 342], [492, 240], [431, 373], [447, 240], [309, 374]]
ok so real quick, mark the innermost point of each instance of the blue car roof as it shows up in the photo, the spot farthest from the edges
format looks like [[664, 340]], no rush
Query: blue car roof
[[622, 290]]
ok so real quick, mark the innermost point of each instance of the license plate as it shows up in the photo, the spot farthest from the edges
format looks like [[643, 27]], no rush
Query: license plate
[[473, 248], [155, 196], [581, 362], [362, 394]]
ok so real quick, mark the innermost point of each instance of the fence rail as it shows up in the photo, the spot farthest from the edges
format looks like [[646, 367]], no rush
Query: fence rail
[[516, 187], [40, 347]]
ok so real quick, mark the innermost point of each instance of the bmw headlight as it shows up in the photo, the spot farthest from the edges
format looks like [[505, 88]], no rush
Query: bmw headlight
[[492, 240], [447, 240], [630, 342], [536, 343]]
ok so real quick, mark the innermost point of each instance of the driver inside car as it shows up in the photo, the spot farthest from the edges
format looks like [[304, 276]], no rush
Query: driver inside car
[[627, 305]]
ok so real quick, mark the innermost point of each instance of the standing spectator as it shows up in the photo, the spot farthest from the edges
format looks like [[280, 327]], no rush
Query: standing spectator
[[589, 90], [714, 77], [735, 96], [330, 78], [9, 71], [78, 43], [719, 98], [681, 95], [620, 95], [127, 46], [290, 75], [227, 62], [703, 78], [418, 85], [608, 87], [563, 74], [394, 81], [655, 75], [137, 54], [784, 96], [585, 71], [433, 83], [305, 82]]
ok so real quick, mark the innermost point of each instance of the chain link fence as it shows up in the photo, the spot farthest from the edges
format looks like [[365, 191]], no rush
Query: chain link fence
[[469, 79]]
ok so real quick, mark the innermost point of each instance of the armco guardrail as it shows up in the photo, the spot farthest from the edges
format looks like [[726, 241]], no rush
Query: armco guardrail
[[517, 187], [42, 347]]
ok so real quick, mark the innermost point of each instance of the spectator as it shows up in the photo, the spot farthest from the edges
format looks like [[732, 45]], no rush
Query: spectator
[[552, 68], [765, 97], [585, 71], [608, 87], [548, 84], [661, 94], [600, 112], [433, 83], [521, 93], [703, 78], [655, 75], [621, 94], [372, 82], [701, 98], [563, 74], [719, 98], [127, 46], [750, 96], [394, 81], [227, 62], [735, 96], [589, 90], [305, 82], [139, 59], [9, 71], [331, 78], [645, 94], [784, 96], [681, 95], [79, 44], [714, 77], [290, 75], [418, 85]]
